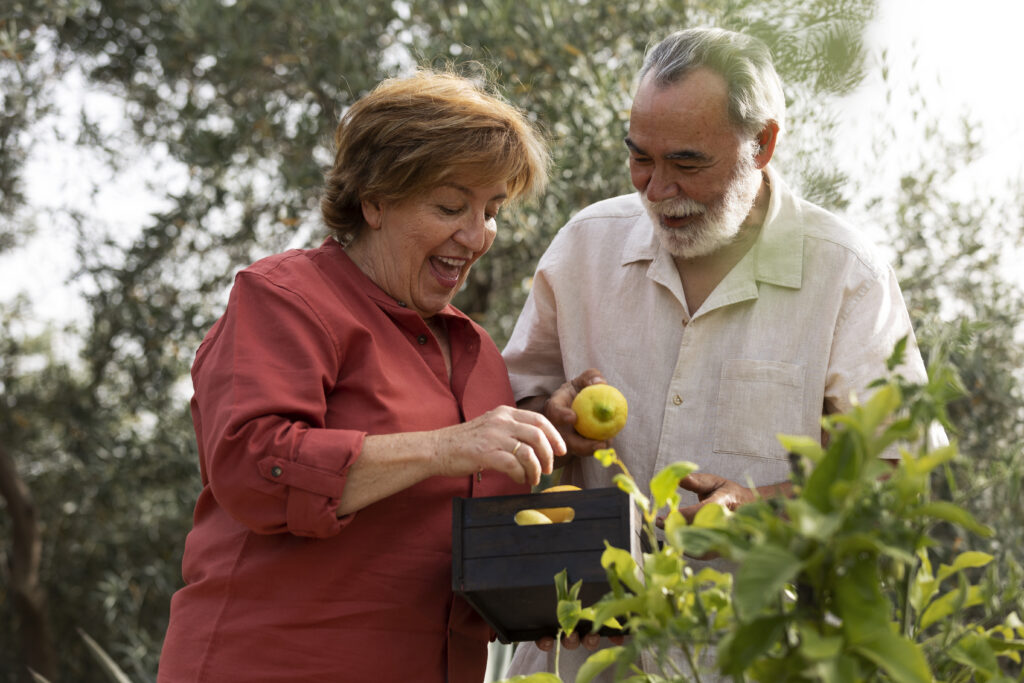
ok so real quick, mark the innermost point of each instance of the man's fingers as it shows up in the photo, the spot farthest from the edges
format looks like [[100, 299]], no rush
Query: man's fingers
[[700, 483], [545, 644], [690, 511], [571, 641], [586, 378]]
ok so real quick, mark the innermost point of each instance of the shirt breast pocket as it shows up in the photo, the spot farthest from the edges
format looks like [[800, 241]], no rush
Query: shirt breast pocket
[[757, 399]]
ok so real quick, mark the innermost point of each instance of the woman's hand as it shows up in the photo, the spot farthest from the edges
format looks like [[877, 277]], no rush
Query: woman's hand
[[520, 443]]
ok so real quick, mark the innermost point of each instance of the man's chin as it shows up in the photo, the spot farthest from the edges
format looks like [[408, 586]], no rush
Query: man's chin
[[689, 243]]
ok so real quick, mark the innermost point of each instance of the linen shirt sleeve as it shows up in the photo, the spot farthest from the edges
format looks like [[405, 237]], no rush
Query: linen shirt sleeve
[[259, 409], [533, 354], [872, 321]]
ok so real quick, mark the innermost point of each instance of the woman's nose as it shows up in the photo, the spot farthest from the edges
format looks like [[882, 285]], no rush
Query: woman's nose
[[473, 235]]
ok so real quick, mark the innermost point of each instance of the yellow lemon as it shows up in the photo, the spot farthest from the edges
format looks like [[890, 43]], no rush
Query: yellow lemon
[[600, 411], [561, 487], [529, 517], [558, 515]]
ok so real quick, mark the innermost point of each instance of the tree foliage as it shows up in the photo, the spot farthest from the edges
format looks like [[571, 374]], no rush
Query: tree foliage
[[240, 98]]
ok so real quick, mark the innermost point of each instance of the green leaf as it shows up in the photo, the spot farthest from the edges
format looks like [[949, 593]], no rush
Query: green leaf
[[897, 656], [898, 352], [665, 484], [842, 669], [622, 564], [950, 512], [662, 569], [816, 646], [925, 585], [711, 516], [975, 652], [965, 560], [618, 609], [802, 445], [878, 408], [811, 522], [929, 461], [626, 483], [598, 662], [860, 603], [748, 641], [569, 614], [606, 456], [542, 677], [762, 574], [953, 601]]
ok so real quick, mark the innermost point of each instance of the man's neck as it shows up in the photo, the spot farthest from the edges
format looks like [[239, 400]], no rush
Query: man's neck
[[700, 275]]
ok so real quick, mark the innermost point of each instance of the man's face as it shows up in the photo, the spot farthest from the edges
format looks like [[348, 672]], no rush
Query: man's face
[[696, 177]]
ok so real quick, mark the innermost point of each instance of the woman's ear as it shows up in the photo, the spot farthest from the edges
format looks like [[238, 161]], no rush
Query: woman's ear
[[373, 214]]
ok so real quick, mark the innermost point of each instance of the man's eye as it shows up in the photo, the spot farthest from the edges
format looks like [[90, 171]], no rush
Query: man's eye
[[449, 210]]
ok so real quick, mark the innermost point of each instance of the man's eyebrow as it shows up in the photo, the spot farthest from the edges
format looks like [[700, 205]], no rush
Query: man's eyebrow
[[681, 155]]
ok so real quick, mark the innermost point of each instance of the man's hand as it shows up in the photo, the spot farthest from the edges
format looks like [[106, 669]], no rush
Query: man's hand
[[557, 408], [711, 488], [590, 641]]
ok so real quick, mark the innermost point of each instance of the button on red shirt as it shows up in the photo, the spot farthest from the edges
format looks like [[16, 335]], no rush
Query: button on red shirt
[[309, 358]]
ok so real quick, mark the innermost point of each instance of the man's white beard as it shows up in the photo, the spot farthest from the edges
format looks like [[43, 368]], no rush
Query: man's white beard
[[718, 225]]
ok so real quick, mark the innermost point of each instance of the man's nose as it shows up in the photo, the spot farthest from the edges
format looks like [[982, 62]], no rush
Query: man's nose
[[661, 186]]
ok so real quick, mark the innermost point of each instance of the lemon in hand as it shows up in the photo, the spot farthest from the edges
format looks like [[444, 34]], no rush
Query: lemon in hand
[[600, 411]]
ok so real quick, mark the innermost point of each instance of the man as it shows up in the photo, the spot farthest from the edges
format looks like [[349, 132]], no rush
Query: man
[[726, 309]]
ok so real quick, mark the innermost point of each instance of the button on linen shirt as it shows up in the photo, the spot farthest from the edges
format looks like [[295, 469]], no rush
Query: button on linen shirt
[[309, 358], [806, 319]]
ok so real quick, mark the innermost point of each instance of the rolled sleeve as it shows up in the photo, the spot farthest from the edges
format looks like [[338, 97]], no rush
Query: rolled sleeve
[[261, 387]]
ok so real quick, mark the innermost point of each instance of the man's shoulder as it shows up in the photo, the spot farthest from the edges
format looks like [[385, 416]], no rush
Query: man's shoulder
[[625, 207], [602, 228], [839, 236]]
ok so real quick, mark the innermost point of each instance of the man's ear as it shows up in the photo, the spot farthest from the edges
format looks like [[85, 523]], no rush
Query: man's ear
[[766, 144], [373, 213]]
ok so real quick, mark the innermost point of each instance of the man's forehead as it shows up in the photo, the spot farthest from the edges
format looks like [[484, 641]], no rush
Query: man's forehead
[[699, 89]]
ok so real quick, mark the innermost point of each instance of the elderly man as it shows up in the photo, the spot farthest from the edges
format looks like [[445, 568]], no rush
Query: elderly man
[[723, 306]]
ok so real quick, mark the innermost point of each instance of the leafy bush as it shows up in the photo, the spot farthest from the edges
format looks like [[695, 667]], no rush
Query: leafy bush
[[834, 584]]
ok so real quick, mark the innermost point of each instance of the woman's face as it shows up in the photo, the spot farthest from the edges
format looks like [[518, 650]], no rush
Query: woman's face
[[420, 250]]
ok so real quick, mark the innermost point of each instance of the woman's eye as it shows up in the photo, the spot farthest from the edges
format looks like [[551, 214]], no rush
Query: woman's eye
[[449, 210]]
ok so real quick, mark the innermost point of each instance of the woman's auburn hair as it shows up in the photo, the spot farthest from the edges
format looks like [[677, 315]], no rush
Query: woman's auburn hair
[[409, 135]]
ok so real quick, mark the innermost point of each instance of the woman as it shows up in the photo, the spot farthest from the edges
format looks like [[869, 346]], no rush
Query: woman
[[341, 402]]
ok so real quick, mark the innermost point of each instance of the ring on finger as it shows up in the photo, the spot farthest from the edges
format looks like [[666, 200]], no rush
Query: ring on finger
[[515, 448]]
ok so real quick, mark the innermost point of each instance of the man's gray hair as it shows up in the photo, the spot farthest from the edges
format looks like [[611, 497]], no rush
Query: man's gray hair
[[755, 90]]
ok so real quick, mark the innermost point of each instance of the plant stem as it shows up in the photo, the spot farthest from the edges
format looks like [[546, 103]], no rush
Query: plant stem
[[692, 662]]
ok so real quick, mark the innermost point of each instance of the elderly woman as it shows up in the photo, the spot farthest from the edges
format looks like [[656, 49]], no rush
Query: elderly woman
[[341, 402]]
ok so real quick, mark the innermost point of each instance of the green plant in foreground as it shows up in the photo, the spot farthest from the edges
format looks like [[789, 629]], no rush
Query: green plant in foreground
[[834, 584]]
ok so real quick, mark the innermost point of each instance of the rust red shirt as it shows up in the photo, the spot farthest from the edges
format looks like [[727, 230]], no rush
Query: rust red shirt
[[309, 358]]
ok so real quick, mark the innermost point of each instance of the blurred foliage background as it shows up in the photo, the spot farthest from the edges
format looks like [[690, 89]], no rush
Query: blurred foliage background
[[241, 97]]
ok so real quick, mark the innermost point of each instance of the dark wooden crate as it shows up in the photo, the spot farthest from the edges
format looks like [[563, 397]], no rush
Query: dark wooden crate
[[506, 572]]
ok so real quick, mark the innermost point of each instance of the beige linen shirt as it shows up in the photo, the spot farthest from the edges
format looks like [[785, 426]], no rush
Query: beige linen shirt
[[805, 320]]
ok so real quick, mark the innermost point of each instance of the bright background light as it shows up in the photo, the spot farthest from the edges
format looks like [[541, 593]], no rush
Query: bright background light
[[962, 56]]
